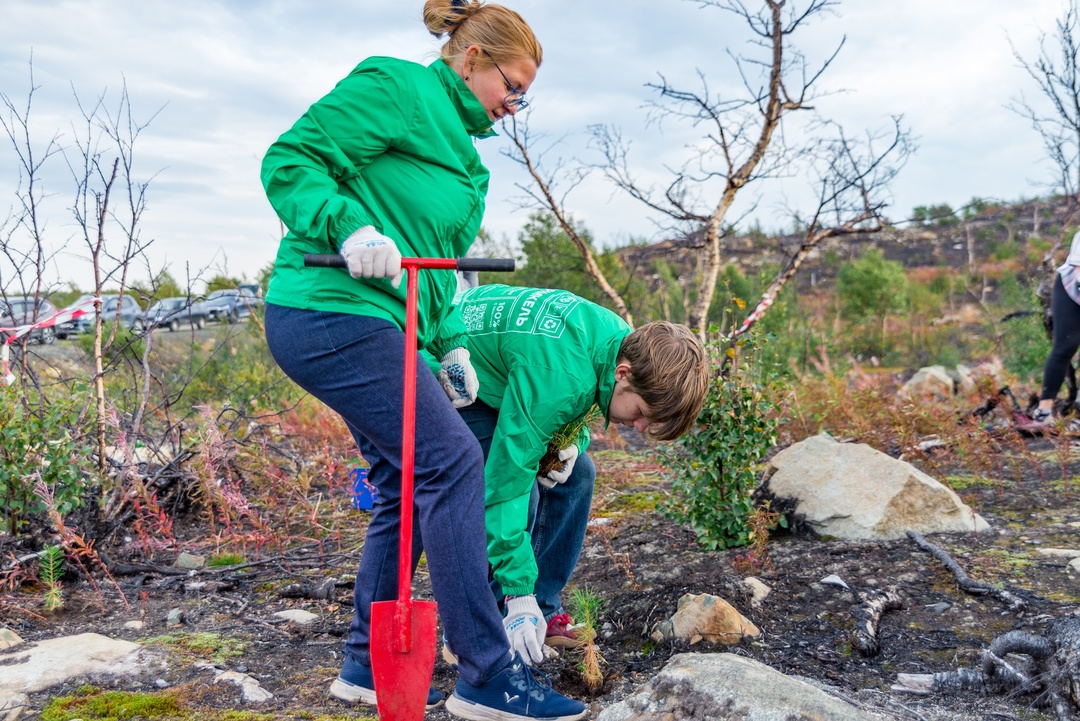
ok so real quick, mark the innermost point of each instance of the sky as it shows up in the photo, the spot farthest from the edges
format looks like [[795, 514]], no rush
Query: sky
[[216, 81]]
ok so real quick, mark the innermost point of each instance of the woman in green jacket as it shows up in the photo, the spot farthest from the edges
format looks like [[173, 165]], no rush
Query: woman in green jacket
[[385, 166]]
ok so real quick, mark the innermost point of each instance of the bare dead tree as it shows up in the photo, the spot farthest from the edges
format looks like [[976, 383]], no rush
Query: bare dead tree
[[23, 243], [548, 194], [1056, 73], [741, 143], [98, 212], [852, 177]]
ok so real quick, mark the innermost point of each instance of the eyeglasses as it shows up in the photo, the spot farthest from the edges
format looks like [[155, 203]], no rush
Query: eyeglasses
[[516, 97]]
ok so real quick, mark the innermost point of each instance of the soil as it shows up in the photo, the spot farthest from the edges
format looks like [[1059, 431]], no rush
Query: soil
[[639, 563]]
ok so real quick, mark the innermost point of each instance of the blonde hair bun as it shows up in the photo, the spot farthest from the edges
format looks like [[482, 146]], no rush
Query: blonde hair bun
[[443, 17]]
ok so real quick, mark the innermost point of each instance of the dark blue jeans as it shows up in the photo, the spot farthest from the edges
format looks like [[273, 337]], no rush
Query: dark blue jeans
[[356, 366], [558, 517]]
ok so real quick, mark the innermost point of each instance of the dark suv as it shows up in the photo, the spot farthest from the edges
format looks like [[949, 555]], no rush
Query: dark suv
[[20, 310], [231, 304]]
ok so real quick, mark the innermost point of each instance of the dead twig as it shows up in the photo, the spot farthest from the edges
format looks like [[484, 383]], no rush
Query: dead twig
[[966, 583]]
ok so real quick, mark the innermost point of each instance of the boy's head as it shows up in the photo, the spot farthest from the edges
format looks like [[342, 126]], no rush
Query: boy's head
[[664, 364]]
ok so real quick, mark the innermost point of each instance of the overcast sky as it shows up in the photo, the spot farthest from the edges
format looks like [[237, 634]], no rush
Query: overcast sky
[[226, 77]]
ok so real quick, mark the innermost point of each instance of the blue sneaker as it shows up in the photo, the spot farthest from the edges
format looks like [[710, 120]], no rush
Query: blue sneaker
[[355, 684], [517, 693]]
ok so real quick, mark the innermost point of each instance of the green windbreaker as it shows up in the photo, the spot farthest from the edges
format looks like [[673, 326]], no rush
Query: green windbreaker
[[391, 146], [543, 358]]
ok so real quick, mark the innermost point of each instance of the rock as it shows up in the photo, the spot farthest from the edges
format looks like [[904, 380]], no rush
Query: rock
[[850, 490], [970, 378], [834, 580], [929, 382], [1059, 552], [135, 625], [726, 686], [189, 561], [250, 689], [9, 639], [710, 617], [57, 660], [12, 705], [1074, 565], [759, 590], [297, 616], [175, 617]]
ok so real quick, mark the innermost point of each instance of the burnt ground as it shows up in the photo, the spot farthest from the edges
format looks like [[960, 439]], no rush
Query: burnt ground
[[639, 563]]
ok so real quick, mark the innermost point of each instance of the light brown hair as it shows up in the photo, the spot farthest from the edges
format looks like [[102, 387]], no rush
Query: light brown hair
[[501, 32], [668, 370]]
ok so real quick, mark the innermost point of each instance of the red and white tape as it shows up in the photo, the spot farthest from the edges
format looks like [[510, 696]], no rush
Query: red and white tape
[[759, 310], [13, 334]]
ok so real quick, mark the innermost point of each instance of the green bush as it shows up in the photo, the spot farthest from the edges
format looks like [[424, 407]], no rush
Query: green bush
[[37, 444], [713, 467]]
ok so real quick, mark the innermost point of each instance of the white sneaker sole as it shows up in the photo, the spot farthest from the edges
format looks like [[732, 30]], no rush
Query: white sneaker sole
[[352, 693], [461, 708]]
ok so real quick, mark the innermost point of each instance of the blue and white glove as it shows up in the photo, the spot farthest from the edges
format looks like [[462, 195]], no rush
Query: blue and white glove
[[525, 628], [458, 378], [370, 254], [568, 456]]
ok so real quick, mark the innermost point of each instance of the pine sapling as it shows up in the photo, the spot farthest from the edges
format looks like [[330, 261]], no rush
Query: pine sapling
[[586, 607], [50, 571], [564, 438]]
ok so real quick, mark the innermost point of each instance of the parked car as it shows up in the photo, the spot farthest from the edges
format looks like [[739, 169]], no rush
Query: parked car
[[171, 313], [130, 314], [232, 304], [21, 310]]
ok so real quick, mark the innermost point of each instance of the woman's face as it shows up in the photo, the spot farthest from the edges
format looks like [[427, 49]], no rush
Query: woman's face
[[496, 86]]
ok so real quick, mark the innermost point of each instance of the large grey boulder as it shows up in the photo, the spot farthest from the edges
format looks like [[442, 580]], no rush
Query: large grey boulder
[[850, 490], [57, 660], [726, 687]]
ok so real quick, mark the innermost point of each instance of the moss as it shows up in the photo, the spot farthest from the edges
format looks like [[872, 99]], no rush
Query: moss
[[225, 559], [92, 703], [201, 645], [966, 481], [636, 503]]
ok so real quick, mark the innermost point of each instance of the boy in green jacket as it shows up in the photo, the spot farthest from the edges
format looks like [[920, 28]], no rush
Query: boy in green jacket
[[544, 358]]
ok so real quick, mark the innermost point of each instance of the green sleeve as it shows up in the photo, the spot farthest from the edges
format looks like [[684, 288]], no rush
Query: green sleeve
[[365, 115], [531, 411], [450, 335]]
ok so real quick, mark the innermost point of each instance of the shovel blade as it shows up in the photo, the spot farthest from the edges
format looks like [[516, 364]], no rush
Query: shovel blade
[[402, 678]]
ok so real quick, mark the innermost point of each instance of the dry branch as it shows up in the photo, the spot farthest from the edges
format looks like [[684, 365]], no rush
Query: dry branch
[[872, 605], [966, 583]]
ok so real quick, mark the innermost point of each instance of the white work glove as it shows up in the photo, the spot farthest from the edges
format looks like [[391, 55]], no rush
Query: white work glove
[[458, 378], [370, 254], [568, 455], [525, 628]]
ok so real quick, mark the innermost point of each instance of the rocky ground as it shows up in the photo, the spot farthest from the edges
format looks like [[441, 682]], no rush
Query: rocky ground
[[640, 564]]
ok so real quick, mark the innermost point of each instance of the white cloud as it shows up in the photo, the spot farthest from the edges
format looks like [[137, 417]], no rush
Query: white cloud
[[229, 76]]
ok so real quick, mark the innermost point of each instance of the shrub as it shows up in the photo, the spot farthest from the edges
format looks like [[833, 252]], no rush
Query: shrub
[[37, 443], [713, 466]]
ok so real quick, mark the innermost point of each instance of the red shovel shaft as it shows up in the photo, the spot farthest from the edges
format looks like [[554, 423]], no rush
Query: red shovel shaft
[[403, 611]]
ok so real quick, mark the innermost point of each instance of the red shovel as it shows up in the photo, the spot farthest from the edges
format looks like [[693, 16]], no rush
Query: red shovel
[[402, 640]]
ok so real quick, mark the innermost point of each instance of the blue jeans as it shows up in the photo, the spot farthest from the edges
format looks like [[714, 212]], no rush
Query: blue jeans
[[558, 517], [355, 365]]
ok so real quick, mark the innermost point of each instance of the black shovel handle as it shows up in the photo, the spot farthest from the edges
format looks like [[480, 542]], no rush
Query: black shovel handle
[[491, 265]]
